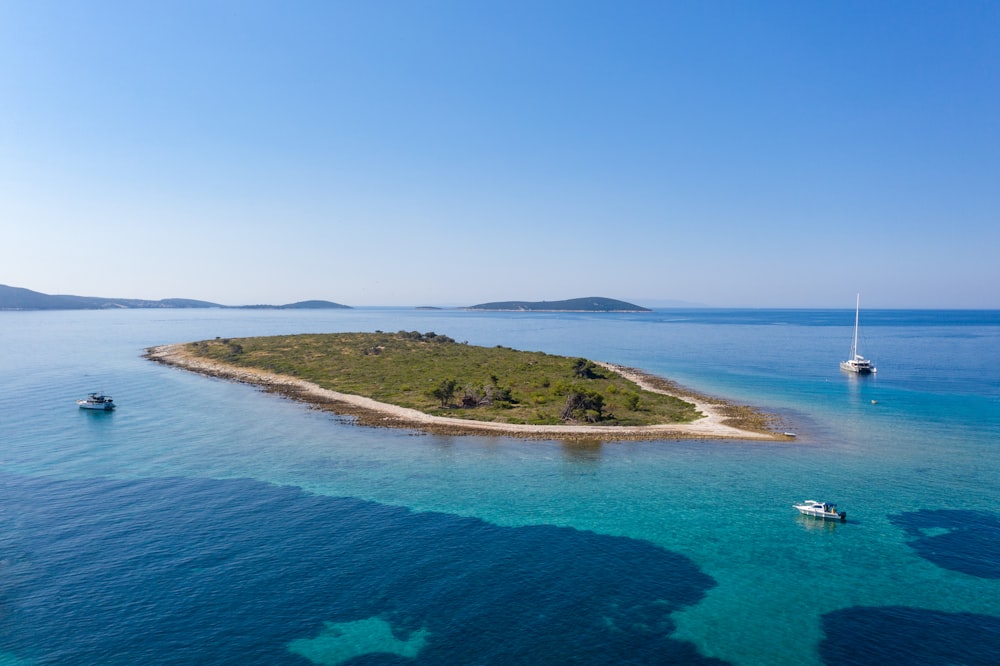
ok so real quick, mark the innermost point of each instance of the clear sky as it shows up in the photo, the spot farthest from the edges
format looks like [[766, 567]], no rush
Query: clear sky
[[746, 154]]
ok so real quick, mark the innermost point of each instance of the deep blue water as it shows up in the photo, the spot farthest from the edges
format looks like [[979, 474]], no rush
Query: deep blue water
[[206, 522]]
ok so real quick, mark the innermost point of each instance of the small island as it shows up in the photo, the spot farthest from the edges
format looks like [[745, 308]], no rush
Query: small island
[[433, 383], [588, 304]]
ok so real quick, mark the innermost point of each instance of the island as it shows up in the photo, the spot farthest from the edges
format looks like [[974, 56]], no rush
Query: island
[[300, 305], [18, 298], [588, 304], [433, 383]]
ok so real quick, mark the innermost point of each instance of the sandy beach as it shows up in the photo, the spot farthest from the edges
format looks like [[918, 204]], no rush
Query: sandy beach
[[720, 420]]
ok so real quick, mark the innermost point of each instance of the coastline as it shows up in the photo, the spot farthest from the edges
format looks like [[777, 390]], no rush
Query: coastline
[[721, 420]]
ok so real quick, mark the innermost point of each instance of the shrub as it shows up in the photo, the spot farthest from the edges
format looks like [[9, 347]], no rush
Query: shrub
[[585, 369], [583, 405]]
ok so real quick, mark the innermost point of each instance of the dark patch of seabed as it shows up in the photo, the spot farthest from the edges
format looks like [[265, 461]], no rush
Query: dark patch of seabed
[[183, 571], [965, 541], [911, 636]]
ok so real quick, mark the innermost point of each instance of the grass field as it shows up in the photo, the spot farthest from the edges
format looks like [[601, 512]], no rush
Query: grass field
[[436, 375]]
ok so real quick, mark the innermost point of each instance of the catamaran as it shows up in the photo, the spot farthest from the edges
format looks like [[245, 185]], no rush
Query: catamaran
[[857, 363]]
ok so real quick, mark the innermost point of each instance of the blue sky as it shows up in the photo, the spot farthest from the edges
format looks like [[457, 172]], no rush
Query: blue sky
[[746, 154]]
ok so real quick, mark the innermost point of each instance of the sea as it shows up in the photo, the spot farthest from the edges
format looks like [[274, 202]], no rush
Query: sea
[[209, 522]]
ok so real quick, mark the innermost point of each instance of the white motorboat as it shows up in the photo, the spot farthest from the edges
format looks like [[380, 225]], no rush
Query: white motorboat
[[823, 510], [857, 363], [97, 401]]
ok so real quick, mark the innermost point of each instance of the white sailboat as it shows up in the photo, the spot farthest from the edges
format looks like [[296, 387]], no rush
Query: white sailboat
[[857, 363]]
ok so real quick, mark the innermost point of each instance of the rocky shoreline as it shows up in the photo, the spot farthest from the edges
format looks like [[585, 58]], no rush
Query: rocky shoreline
[[721, 420]]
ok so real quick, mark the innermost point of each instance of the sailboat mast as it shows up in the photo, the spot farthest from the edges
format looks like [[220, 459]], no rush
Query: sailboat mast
[[854, 344]]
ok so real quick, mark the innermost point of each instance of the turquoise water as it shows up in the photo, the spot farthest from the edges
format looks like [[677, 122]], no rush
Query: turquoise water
[[207, 522]]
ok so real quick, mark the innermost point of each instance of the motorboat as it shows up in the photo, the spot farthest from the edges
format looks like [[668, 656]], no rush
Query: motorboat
[[857, 364], [823, 510], [97, 401]]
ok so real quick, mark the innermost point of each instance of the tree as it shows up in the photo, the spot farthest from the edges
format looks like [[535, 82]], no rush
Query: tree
[[445, 391]]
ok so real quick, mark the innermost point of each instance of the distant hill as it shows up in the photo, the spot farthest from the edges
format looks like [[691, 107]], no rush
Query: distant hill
[[588, 304], [301, 305], [16, 298]]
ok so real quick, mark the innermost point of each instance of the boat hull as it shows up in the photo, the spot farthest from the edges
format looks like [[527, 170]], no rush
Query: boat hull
[[824, 515], [99, 407], [857, 368]]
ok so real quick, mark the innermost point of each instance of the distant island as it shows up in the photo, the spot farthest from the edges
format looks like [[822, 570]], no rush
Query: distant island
[[588, 304], [301, 305], [16, 298]]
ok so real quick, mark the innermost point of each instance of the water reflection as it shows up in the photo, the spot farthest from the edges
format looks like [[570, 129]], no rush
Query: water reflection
[[811, 524], [587, 451]]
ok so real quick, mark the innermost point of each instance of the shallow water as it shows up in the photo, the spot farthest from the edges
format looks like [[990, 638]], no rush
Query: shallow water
[[207, 522]]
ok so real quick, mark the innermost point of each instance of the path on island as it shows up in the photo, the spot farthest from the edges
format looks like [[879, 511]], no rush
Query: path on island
[[373, 413]]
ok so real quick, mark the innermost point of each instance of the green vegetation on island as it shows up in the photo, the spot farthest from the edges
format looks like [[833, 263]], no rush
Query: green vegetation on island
[[588, 304], [437, 375]]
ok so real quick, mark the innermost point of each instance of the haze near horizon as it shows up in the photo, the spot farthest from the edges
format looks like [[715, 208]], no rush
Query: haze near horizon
[[773, 154]]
